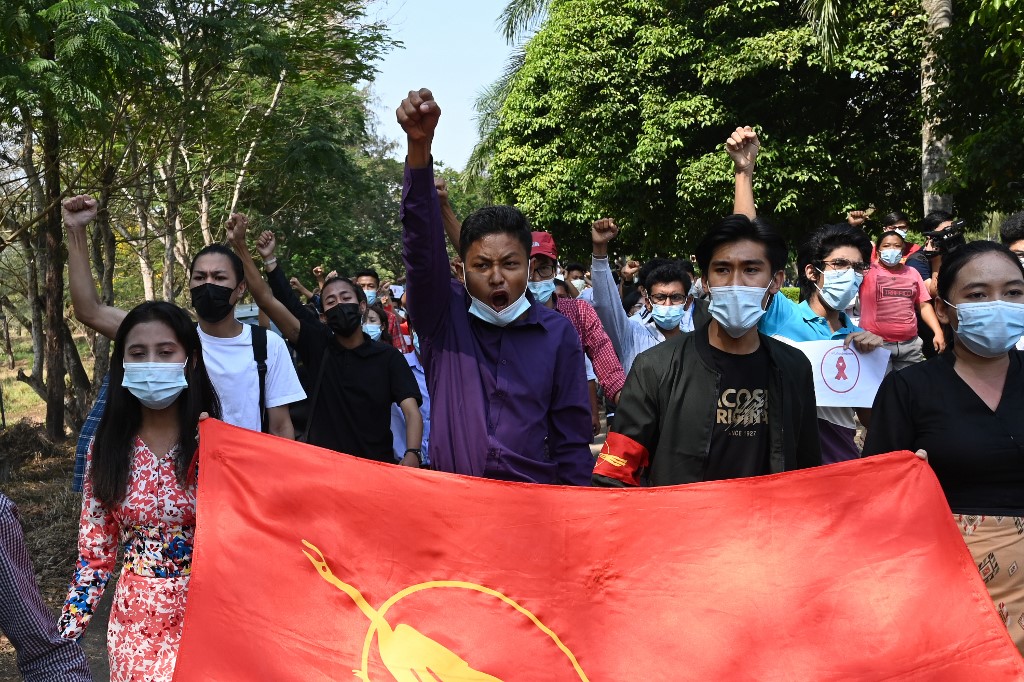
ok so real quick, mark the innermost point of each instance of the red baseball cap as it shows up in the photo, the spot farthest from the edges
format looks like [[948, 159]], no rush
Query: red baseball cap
[[544, 245]]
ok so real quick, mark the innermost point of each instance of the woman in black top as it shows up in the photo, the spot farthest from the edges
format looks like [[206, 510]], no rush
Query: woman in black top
[[965, 408]]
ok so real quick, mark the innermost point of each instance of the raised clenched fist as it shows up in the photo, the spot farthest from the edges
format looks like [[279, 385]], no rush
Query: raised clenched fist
[[78, 211], [857, 218], [743, 146], [236, 227], [418, 115], [442, 189], [266, 244], [603, 231]]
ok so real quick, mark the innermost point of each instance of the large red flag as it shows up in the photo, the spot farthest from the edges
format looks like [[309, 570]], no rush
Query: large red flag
[[310, 565]]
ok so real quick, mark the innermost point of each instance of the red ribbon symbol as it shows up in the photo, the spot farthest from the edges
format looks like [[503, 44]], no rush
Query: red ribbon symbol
[[841, 366]]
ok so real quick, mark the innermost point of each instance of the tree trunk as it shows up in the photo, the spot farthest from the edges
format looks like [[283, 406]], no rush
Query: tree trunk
[[171, 215], [934, 149], [142, 212], [204, 205], [103, 255], [36, 308], [78, 400], [51, 225], [7, 343]]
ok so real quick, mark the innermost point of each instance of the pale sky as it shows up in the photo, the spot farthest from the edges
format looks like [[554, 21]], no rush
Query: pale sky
[[453, 48]]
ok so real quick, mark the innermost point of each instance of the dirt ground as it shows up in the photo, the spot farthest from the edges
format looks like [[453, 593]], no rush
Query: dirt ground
[[40, 485]]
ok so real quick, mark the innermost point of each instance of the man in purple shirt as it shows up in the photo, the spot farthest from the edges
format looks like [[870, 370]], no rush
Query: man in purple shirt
[[506, 376]]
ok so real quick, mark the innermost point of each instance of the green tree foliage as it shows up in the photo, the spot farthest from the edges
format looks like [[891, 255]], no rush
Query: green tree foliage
[[328, 188], [466, 191], [979, 99], [621, 109], [173, 114]]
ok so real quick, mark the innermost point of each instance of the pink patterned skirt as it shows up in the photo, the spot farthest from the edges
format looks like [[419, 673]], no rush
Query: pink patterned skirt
[[145, 627]]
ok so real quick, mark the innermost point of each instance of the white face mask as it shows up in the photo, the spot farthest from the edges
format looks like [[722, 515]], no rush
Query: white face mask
[[155, 384], [542, 290], [482, 311], [890, 256], [737, 309], [989, 328], [840, 288], [580, 284]]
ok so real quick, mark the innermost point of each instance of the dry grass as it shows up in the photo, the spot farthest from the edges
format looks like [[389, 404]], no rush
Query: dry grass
[[49, 510], [20, 401]]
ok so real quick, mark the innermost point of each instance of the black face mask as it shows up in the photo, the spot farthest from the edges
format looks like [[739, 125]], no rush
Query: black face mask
[[344, 318], [212, 302]]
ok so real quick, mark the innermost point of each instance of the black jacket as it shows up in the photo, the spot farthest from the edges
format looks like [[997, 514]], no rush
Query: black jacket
[[666, 415]]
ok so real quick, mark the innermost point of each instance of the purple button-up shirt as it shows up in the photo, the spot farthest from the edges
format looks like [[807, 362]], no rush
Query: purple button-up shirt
[[506, 402]]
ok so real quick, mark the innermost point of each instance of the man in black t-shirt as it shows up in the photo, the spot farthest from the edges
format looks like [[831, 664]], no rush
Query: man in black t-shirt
[[354, 380], [739, 439], [722, 401]]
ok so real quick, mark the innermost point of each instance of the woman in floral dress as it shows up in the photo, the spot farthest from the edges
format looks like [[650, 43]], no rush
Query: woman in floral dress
[[140, 493]]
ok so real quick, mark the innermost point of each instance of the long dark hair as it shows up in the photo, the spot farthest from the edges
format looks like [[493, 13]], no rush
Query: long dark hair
[[954, 262], [122, 418]]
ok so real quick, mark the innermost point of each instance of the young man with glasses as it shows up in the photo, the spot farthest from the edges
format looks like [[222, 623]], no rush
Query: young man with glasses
[[830, 268], [664, 289]]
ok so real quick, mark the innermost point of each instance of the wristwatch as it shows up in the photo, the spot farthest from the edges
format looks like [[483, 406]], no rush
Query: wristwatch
[[417, 452]]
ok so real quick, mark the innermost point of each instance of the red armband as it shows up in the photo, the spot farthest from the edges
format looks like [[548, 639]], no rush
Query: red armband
[[621, 458]]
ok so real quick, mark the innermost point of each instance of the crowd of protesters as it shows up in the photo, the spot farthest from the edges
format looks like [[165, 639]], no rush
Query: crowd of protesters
[[499, 362]]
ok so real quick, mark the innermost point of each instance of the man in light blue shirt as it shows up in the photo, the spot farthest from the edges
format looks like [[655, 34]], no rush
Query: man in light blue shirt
[[665, 292], [398, 419]]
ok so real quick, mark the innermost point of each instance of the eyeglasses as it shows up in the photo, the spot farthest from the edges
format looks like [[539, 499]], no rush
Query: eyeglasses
[[844, 264], [545, 271], [662, 299]]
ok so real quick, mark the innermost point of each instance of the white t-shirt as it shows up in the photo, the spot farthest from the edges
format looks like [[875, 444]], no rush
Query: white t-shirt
[[232, 369]]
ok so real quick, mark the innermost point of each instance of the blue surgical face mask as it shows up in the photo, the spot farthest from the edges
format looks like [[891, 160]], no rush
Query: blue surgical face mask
[[890, 256], [542, 290], [737, 309], [840, 287], [371, 296], [372, 330], [989, 328], [155, 384], [667, 317]]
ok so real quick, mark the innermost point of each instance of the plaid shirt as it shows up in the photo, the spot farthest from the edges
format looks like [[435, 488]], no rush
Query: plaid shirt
[[397, 338], [43, 655], [86, 434], [596, 343]]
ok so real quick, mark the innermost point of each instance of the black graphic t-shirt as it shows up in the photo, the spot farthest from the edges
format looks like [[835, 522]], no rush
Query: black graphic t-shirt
[[739, 441]]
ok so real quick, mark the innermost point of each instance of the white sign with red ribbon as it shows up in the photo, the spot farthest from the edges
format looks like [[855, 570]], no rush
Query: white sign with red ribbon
[[843, 377]]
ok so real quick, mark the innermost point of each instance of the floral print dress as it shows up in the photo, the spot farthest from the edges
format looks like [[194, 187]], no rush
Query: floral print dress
[[154, 525]]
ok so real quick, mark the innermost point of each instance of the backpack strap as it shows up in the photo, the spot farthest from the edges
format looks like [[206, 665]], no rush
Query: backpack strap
[[259, 353]]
